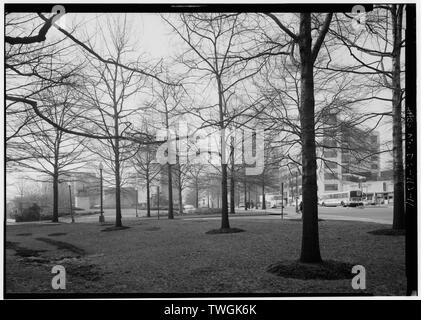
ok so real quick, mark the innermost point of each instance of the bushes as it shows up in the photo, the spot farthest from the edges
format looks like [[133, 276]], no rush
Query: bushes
[[29, 214]]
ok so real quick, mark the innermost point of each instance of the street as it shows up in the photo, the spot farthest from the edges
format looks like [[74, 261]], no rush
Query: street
[[381, 214]]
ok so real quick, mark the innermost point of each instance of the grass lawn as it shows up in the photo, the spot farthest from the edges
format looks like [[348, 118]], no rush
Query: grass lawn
[[179, 257]]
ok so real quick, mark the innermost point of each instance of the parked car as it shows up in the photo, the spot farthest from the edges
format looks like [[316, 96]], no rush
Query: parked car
[[188, 208]]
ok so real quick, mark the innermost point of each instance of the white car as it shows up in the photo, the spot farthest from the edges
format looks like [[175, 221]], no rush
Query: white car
[[188, 208]]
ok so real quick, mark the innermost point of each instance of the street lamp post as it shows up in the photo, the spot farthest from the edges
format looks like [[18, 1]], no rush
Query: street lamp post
[[101, 214]]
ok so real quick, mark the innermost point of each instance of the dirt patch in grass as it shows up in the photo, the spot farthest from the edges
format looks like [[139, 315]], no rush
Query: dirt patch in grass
[[88, 272], [63, 245], [388, 232], [57, 234], [114, 228], [225, 230], [326, 270], [24, 234], [21, 251]]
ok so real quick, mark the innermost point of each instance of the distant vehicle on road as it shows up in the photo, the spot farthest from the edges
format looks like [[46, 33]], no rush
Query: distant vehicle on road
[[188, 208], [272, 200], [351, 198]]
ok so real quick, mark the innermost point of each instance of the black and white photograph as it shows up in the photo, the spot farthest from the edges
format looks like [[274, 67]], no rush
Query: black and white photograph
[[209, 150]]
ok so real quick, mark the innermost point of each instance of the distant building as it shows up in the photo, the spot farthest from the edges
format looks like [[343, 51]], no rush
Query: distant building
[[348, 160]]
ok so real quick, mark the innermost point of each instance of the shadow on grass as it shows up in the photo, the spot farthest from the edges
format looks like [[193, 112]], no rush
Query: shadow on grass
[[114, 228], [326, 270], [225, 230], [300, 220], [21, 251], [388, 232], [63, 245]]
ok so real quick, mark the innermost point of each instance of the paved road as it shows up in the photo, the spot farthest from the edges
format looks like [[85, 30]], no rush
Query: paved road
[[368, 214]]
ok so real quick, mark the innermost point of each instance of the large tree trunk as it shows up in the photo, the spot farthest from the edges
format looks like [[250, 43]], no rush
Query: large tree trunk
[[224, 222], [148, 198], [398, 175], [170, 199], [224, 178], [310, 251]]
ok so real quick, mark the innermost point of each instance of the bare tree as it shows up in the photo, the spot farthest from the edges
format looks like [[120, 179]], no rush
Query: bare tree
[[51, 151], [111, 96], [219, 50], [310, 250]]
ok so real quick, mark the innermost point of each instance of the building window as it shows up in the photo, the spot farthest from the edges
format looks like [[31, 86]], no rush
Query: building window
[[331, 165], [330, 154], [331, 187], [331, 176]]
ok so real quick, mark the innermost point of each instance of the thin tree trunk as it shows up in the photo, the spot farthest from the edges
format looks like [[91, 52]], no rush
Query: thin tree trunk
[[263, 195], [398, 175], [310, 251], [118, 222], [148, 197], [197, 193], [55, 195], [180, 192], [245, 195], [170, 199], [232, 182]]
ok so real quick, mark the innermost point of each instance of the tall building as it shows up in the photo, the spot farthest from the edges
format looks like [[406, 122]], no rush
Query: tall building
[[348, 158], [348, 155]]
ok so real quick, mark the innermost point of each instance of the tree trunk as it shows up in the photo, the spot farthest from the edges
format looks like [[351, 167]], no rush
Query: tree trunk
[[398, 174], [180, 199], [263, 195], [55, 195], [224, 178], [118, 222], [245, 195], [148, 198], [225, 220], [170, 199], [232, 182], [310, 251], [197, 193]]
